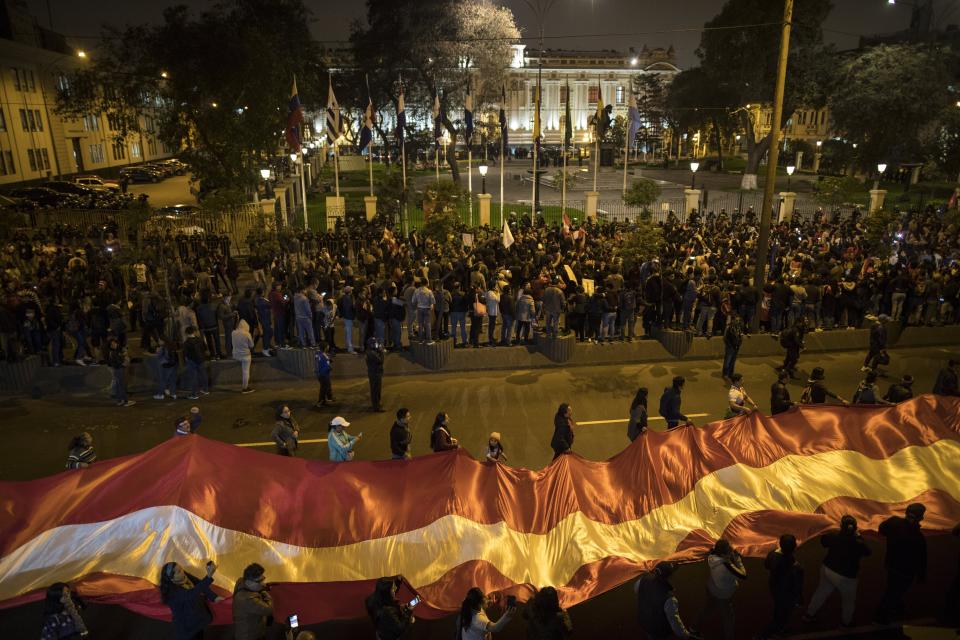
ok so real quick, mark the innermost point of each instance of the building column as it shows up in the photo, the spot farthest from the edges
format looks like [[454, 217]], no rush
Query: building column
[[336, 208], [816, 162], [269, 208], [915, 175]]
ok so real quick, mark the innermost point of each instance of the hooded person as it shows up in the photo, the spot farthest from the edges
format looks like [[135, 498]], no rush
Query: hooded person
[[658, 610], [252, 605], [188, 597], [389, 617], [242, 342]]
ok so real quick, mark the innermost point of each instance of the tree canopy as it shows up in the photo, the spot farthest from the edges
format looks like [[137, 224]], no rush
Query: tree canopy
[[218, 82]]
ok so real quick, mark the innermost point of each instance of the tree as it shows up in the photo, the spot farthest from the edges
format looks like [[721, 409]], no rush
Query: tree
[[690, 100], [651, 105], [643, 243], [220, 81], [441, 201], [837, 191], [879, 228], [437, 45], [641, 194], [741, 60], [901, 85]]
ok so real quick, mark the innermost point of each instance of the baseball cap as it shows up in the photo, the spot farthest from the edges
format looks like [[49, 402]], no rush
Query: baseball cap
[[339, 422]]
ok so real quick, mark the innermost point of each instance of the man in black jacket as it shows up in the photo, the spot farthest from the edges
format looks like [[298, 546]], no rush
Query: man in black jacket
[[906, 559], [657, 608], [948, 379], [732, 339], [900, 391], [840, 568], [791, 339], [780, 394], [194, 356], [878, 342], [400, 436], [375, 356]]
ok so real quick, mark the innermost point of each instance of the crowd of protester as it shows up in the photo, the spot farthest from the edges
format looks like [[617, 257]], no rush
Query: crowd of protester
[[340, 289]]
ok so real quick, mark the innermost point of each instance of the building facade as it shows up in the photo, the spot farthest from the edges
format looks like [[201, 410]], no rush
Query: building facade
[[607, 74], [35, 142]]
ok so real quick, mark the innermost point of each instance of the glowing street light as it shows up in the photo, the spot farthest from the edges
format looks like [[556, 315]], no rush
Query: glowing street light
[[265, 174], [164, 75], [483, 174], [693, 172], [81, 53], [790, 170]]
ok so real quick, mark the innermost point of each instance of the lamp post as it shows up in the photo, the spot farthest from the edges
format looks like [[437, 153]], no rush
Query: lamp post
[[790, 170], [483, 175], [881, 167], [693, 174], [540, 9]]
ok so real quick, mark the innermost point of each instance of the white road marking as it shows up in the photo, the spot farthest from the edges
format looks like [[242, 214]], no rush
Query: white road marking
[[689, 415]]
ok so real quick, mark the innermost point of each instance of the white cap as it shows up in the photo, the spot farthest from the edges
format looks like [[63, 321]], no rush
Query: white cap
[[339, 422]]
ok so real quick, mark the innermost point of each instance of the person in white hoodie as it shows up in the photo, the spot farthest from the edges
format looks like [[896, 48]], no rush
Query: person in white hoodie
[[243, 351]]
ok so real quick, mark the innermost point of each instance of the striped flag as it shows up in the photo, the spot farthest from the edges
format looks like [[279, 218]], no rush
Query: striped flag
[[366, 132], [503, 116], [334, 119], [437, 122], [536, 118], [507, 235], [447, 522], [401, 116], [601, 120], [633, 116], [294, 119], [568, 121], [468, 116]]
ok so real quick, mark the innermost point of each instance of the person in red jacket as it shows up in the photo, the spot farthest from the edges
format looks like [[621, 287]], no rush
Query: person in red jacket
[[440, 438]]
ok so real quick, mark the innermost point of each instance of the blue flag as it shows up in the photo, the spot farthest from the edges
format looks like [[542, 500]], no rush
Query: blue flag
[[366, 131], [633, 115], [294, 119]]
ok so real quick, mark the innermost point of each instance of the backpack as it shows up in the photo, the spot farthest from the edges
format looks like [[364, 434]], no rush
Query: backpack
[[806, 397]]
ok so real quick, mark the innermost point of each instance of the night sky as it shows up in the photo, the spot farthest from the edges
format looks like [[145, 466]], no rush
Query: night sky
[[655, 22]]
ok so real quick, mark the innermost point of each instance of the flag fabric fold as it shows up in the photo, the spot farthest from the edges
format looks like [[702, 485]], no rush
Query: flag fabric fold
[[401, 116], [567, 121], [294, 120], [447, 522], [468, 117], [437, 120], [366, 132], [601, 118], [536, 118], [507, 235]]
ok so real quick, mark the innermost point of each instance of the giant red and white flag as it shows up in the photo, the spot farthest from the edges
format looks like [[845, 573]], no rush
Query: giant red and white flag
[[446, 522]]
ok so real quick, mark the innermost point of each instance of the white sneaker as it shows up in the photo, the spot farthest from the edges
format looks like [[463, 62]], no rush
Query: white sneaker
[[81, 363], [267, 353], [158, 396]]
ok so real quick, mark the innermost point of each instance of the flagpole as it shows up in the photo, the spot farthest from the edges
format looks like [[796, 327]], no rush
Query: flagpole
[[336, 167], [470, 179], [501, 177], [626, 154], [436, 161], [563, 188], [403, 163], [370, 159], [596, 155], [303, 190]]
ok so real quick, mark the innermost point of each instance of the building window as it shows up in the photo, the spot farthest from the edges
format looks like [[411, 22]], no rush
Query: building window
[[46, 158], [16, 78], [96, 154], [33, 85], [113, 122], [32, 159], [38, 119], [23, 120], [135, 150], [3, 120], [592, 94], [620, 93], [91, 123], [119, 150], [152, 146], [6, 164]]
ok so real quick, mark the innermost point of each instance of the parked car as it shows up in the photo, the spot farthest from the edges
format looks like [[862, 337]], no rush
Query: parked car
[[44, 197], [97, 182], [164, 170], [140, 174], [81, 190], [179, 168], [178, 209]]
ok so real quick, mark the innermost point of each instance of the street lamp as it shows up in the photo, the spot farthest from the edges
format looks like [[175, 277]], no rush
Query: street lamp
[[265, 174], [693, 173], [881, 167], [790, 170], [819, 143], [293, 157], [483, 174], [81, 53]]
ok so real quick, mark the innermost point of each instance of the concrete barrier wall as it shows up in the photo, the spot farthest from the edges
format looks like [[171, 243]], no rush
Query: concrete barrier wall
[[295, 365]]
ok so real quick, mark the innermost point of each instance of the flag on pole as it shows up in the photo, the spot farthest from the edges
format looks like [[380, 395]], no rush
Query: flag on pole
[[503, 116], [437, 123], [468, 116], [366, 132], [568, 121], [334, 122], [507, 236], [401, 116], [633, 115], [294, 119], [536, 119], [566, 224], [602, 119]]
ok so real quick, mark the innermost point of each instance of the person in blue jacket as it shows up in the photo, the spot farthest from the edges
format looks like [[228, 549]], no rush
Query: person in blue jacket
[[340, 442], [670, 403], [187, 597]]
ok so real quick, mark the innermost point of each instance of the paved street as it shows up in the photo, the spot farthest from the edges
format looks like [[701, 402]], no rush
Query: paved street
[[519, 404], [173, 190]]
